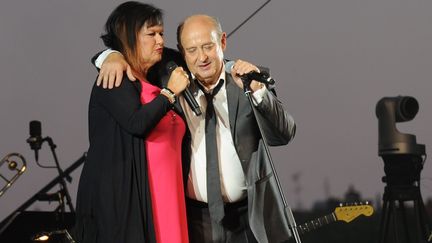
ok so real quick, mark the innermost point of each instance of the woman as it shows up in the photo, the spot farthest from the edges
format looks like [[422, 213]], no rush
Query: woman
[[131, 188]]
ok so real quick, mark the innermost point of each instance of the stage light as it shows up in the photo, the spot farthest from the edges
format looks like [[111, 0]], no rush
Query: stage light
[[45, 236]]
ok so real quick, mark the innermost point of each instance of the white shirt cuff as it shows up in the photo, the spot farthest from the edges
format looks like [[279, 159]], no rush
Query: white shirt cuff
[[101, 58], [258, 95]]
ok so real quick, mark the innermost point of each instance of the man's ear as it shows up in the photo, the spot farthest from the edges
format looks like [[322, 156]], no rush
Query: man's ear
[[223, 41]]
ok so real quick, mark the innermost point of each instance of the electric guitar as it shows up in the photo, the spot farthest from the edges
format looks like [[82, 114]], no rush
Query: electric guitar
[[341, 213]]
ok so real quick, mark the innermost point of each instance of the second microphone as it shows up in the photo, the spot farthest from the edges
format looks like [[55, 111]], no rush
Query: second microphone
[[193, 104]]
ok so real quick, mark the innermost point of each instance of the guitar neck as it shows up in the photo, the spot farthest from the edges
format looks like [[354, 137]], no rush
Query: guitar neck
[[342, 213], [316, 223]]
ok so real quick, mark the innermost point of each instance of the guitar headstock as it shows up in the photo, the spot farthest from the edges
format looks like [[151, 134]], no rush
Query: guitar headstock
[[348, 213]]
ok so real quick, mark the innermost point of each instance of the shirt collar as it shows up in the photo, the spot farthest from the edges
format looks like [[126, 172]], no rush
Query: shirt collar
[[221, 77]]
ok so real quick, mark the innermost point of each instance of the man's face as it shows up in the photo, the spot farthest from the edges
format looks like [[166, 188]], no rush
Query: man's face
[[203, 50]]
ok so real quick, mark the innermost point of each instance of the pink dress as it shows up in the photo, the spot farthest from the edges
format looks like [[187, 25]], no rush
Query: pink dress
[[164, 146]]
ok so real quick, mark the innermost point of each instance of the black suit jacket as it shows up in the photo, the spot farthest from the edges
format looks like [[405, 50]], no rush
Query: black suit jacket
[[266, 211]]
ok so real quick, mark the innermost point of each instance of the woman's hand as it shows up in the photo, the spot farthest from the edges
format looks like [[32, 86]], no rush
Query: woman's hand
[[178, 81]]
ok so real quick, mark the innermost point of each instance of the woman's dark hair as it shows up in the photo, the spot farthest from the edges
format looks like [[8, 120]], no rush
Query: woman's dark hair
[[123, 25]]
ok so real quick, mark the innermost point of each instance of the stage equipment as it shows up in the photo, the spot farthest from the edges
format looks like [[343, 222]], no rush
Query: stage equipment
[[46, 236], [287, 211], [17, 166], [36, 141], [344, 213], [21, 225], [403, 162], [29, 224]]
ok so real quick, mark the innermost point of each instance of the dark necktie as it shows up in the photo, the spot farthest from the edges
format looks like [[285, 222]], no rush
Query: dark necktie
[[214, 192]]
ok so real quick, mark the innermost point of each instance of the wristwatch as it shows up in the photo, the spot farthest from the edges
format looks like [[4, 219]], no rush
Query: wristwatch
[[169, 94]]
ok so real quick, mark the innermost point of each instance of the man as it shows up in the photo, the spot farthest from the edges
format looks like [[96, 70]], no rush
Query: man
[[252, 209]]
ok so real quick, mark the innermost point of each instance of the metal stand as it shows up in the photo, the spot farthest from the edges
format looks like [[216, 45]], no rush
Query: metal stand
[[63, 192], [288, 213], [398, 222], [37, 197], [403, 161]]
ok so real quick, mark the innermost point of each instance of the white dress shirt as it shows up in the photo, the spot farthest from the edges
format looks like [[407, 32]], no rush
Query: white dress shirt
[[233, 183]]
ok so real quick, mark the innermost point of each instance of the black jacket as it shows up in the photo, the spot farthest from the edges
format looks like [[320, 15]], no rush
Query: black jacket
[[113, 202]]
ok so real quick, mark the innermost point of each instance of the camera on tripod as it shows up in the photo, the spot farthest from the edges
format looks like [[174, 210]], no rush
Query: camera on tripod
[[403, 162], [403, 157]]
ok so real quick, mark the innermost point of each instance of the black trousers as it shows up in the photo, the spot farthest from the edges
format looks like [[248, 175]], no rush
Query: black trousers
[[234, 229]]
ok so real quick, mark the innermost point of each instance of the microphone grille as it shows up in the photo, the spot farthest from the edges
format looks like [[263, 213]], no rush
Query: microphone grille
[[171, 65], [35, 129], [228, 66]]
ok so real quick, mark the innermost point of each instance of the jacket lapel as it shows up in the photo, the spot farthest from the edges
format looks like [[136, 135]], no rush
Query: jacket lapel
[[233, 94]]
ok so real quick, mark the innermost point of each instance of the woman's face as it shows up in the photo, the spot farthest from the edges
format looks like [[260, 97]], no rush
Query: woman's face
[[150, 44]]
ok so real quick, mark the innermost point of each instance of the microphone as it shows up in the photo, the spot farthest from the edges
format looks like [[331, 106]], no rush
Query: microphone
[[262, 77], [35, 139], [190, 99]]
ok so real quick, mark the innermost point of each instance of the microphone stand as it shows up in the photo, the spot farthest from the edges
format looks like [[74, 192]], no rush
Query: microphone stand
[[63, 192], [288, 212]]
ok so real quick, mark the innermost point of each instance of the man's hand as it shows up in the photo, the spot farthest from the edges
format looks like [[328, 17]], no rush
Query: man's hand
[[111, 71], [241, 67]]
